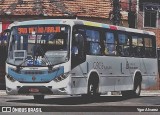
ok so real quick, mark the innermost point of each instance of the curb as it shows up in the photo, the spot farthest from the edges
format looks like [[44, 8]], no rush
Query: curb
[[2, 92], [150, 93], [143, 93]]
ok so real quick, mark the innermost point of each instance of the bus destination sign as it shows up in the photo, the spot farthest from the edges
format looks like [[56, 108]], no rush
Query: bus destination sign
[[39, 30]]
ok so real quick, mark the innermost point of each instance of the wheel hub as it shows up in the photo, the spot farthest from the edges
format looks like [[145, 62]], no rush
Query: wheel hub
[[91, 89], [137, 89]]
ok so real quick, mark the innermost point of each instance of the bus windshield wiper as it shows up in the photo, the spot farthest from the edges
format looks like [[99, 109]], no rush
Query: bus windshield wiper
[[48, 63], [19, 67]]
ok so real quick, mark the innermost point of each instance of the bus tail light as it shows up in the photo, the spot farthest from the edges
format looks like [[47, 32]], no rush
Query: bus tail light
[[61, 77], [11, 78]]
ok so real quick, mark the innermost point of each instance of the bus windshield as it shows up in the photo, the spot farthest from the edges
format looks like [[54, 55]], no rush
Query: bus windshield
[[42, 45]]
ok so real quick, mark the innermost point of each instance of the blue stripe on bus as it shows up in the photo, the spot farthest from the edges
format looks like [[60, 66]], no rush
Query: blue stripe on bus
[[41, 78], [105, 26]]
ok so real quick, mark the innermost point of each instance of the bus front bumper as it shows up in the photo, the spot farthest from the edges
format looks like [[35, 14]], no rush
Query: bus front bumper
[[51, 88]]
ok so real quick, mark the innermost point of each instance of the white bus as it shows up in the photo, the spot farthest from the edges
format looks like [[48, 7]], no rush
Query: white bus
[[77, 57]]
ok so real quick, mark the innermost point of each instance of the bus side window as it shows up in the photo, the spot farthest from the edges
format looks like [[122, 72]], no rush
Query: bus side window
[[149, 49], [134, 45], [137, 46], [110, 44], [93, 42], [123, 48], [140, 49]]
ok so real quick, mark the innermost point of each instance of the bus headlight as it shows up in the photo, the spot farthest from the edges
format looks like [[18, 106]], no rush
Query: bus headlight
[[11, 78], [61, 77]]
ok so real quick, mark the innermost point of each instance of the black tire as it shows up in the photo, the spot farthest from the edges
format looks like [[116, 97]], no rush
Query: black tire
[[38, 98], [136, 90], [93, 88], [126, 94]]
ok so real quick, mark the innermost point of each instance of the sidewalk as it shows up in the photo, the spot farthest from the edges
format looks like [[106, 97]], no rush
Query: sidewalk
[[2, 92], [150, 93], [143, 93]]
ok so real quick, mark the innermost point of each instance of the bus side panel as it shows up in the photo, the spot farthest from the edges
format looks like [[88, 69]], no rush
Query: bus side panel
[[124, 79], [129, 66], [149, 73], [79, 85], [79, 80], [106, 68], [103, 66], [115, 73], [114, 76]]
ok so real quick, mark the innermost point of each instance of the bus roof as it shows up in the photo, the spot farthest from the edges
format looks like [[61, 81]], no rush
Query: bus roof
[[80, 22]]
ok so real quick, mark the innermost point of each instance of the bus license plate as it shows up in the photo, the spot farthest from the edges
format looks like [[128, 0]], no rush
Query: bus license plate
[[34, 90]]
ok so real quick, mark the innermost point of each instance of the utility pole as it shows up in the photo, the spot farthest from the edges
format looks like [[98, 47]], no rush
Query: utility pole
[[130, 4], [116, 15], [131, 16]]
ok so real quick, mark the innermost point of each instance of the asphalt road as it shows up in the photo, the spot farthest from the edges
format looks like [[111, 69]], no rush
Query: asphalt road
[[144, 103]]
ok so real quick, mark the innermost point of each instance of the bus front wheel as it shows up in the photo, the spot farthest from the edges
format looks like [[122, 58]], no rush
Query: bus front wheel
[[93, 88]]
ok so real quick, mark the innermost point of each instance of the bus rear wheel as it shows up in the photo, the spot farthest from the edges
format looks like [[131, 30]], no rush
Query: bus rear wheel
[[136, 90], [38, 97]]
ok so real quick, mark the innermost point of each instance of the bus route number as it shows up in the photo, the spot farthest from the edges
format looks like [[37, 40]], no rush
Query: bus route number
[[100, 65]]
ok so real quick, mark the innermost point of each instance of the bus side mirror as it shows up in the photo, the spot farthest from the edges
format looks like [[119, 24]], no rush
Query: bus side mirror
[[5, 35]]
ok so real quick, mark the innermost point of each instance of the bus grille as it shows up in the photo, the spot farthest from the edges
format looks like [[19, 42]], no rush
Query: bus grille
[[33, 72]]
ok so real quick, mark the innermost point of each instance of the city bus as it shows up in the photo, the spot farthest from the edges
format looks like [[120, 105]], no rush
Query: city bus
[[78, 57]]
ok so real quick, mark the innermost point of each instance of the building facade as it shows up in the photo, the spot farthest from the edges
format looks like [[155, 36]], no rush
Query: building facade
[[92, 10], [148, 17]]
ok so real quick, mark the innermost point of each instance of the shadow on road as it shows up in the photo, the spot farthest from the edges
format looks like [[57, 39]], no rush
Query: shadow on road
[[73, 100]]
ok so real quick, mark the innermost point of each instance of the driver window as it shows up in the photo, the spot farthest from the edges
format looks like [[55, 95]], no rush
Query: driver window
[[78, 41]]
